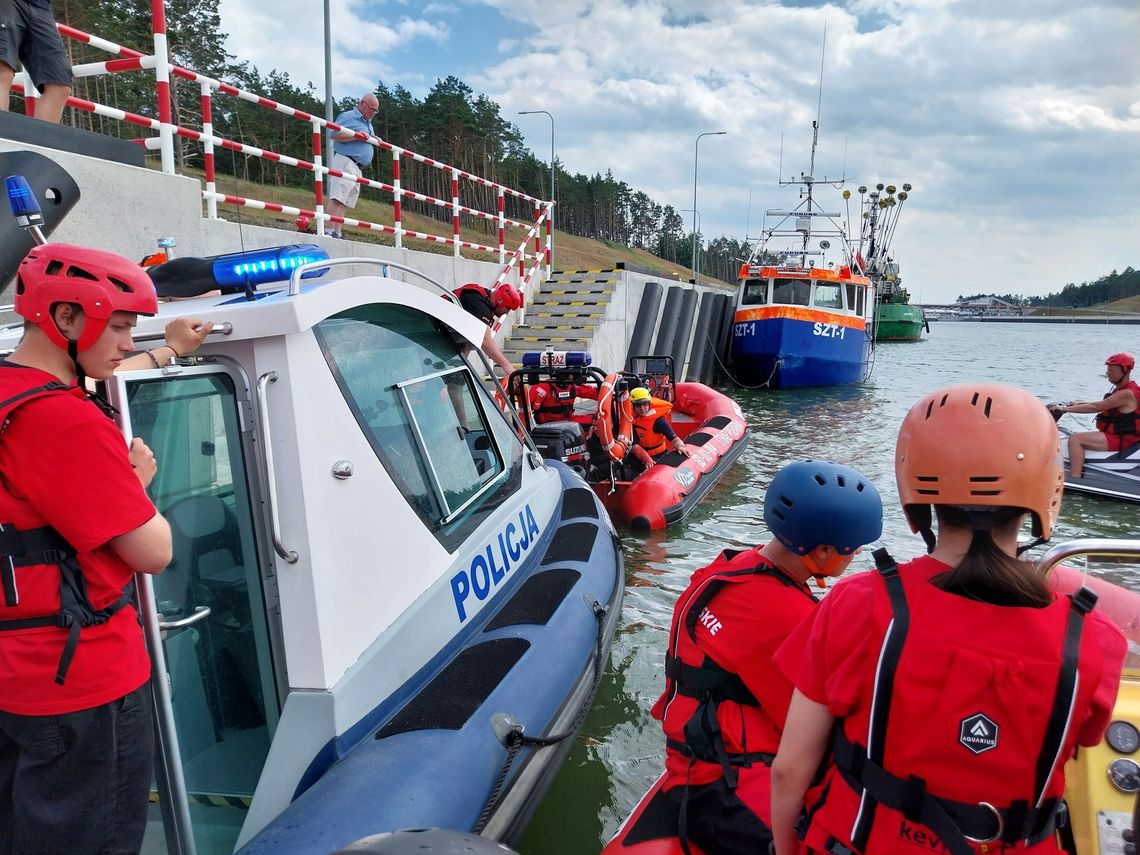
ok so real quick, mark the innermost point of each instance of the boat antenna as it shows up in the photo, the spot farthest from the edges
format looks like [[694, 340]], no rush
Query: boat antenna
[[748, 218], [822, 56]]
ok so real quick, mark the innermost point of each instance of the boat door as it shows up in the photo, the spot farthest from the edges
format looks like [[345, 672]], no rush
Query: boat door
[[214, 616]]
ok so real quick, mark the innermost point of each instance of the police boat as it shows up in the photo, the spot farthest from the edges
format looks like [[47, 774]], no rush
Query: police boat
[[385, 610], [594, 431]]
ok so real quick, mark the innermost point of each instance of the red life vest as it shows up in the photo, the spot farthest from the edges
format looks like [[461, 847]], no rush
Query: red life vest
[[955, 731], [28, 552], [696, 686], [1121, 424], [649, 439], [470, 286], [552, 402]]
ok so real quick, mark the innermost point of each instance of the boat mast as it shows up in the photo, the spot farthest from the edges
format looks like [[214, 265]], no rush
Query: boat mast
[[809, 177]]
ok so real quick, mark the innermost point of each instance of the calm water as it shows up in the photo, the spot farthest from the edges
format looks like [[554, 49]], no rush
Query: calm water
[[620, 751]]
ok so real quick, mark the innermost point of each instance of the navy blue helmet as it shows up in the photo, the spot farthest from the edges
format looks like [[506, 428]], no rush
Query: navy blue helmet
[[815, 503]]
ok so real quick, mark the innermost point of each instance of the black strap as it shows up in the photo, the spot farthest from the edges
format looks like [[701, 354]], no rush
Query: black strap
[[27, 548], [745, 759], [708, 681], [53, 386], [889, 657], [1080, 604], [951, 820]]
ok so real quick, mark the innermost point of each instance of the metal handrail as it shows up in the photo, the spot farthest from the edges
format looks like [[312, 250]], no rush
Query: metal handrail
[[224, 328], [295, 278], [1107, 546], [274, 520]]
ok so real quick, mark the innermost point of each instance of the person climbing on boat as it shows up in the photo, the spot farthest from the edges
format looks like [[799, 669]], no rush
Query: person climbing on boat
[[487, 305], [1116, 414], [725, 704], [553, 400], [653, 435], [950, 690], [76, 742]]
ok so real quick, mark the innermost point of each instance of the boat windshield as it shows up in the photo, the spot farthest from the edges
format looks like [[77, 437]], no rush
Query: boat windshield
[[755, 292], [793, 292], [448, 450]]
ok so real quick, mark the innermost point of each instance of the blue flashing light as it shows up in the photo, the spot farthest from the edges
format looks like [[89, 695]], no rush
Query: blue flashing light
[[241, 269], [556, 359], [23, 201]]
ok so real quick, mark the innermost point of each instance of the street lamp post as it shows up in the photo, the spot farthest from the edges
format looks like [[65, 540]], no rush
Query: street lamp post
[[696, 154], [699, 229], [552, 210]]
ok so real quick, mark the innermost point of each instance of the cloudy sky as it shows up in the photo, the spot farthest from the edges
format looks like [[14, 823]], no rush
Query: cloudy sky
[[1017, 121]]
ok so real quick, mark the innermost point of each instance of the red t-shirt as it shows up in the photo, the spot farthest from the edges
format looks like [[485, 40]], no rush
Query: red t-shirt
[[63, 463]]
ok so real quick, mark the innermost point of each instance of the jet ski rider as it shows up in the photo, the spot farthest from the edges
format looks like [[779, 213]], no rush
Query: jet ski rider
[[1116, 414]]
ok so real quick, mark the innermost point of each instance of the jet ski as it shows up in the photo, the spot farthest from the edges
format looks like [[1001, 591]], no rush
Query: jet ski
[[1112, 474]]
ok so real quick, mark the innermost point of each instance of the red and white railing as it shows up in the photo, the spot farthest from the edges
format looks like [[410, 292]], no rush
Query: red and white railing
[[521, 262]]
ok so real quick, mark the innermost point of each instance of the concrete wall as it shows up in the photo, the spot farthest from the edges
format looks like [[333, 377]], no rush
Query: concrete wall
[[125, 209], [611, 341]]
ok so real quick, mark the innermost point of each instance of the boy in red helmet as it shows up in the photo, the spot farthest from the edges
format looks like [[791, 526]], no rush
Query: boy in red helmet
[[487, 305], [76, 742], [1116, 414]]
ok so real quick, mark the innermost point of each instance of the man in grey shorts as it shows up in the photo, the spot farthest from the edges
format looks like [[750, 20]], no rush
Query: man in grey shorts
[[350, 156], [28, 38]]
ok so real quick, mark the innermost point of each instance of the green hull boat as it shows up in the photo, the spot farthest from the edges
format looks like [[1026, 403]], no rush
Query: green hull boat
[[898, 322]]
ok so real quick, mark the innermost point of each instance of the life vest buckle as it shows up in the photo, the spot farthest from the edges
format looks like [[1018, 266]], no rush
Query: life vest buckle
[[997, 835]]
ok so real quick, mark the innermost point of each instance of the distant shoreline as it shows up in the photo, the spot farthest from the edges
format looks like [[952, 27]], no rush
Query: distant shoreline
[[1040, 319]]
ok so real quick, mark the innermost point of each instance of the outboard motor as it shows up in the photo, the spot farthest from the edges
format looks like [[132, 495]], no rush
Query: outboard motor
[[563, 441]]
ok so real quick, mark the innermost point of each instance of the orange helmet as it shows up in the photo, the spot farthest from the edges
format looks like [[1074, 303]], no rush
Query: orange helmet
[[980, 444], [506, 294]]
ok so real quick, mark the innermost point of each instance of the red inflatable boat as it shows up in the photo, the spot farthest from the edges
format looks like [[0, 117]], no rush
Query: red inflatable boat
[[715, 433], [557, 391]]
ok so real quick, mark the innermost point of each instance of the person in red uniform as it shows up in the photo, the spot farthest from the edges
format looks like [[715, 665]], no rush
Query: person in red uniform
[[553, 400], [1116, 414], [76, 741], [487, 305], [951, 690], [725, 704], [653, 435]]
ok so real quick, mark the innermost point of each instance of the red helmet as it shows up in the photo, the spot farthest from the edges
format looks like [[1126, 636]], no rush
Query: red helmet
[[507, 295], [1126, 361], [99, 282]]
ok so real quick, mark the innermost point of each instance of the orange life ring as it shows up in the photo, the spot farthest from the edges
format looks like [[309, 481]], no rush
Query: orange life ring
[[609, 409]]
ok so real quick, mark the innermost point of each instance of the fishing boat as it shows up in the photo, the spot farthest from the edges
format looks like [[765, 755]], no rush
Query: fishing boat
[[597, 438], [385, 609], [1101, 782], [895, 318], [804, 310]]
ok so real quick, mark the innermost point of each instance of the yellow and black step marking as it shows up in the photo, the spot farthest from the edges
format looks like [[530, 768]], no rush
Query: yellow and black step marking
[[212, 800], [555, 273]]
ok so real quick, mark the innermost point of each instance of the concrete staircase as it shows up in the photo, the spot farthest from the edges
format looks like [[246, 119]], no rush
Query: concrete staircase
[[565, 312]]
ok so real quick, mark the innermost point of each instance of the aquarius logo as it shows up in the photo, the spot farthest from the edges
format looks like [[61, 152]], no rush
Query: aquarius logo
[[979, 733]]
